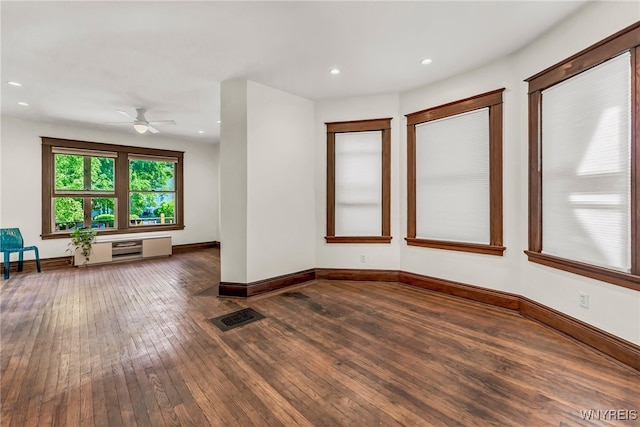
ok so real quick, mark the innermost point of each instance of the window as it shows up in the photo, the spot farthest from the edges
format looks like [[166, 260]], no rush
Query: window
[[454, 156], [359, 181], [110, 188], [84, 189], [583, 159], [151, 190]]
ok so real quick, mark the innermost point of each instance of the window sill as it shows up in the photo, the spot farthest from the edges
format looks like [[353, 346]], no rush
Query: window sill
[[358, 239], [457, 246], [138, 229], [619, 278]]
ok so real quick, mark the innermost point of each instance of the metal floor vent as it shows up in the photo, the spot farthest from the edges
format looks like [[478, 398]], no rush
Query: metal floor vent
[[236, 319]]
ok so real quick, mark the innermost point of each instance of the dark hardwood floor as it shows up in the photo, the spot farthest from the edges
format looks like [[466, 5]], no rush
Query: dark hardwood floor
[[130, 344]]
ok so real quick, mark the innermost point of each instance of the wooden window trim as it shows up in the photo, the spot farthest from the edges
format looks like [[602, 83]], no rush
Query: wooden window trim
[[492, 100], [631, 281], [358, 239], [383, 125], [627, 39], [121, 192]]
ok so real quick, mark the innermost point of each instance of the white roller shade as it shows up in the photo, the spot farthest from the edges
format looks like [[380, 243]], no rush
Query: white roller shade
[[80, 152], [586, 173], [153, 158], [358, 184], [452, 178]]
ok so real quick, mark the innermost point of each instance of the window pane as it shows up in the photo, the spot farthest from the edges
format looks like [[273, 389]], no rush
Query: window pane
[[452, 178], [103, 213], [70, 168], [151, 175], [358, 187], [152, 208], [68, 213], [69, 172], [102, 174], [586, 181]]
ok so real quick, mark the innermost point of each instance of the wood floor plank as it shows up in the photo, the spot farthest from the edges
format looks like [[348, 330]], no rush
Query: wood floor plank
[[131, 344], [366, 381], [19, 337]]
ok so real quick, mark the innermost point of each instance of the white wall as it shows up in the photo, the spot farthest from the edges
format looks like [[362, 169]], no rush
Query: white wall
[[334, 255], [233, 181], [267, 179], [21, 180], [281, 211]]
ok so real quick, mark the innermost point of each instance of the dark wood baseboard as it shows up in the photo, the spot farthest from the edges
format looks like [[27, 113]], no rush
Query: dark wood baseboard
[[191, 247], [611, 345], [474, 293], [245, 290], [354, 274], [29, 265]]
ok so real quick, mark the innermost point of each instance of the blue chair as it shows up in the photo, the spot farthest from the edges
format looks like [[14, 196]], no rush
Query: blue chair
[[11, 241]]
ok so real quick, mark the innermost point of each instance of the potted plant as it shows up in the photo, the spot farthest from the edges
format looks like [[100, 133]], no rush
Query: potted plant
[[81, 241]]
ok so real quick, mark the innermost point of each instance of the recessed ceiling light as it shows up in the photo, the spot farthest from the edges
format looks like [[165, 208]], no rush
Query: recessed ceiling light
[[200, 131], [426, 61], [334, 71], [219, 121], [14, 83], [24, 104]]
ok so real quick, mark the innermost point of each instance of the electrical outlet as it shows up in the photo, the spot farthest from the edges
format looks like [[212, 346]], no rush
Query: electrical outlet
[[363, 259], [584, 300]]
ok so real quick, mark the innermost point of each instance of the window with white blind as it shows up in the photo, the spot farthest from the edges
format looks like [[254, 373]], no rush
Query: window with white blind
[[358, 181], [586, 175], [110, 188], [452, 178], [582, 188], [455, 175]]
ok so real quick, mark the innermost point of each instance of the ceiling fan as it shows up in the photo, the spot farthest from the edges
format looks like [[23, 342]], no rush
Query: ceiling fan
[[140, 123]]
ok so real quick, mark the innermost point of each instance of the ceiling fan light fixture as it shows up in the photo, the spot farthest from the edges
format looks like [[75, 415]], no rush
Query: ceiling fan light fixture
[[141, 127]]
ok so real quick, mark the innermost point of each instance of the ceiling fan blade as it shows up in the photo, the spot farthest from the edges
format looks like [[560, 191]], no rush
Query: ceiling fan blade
[[117, 123], [166, 122], [153, 130], [124, 113]]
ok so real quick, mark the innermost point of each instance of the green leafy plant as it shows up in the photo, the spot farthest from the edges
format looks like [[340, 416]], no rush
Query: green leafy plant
[[82, 240]]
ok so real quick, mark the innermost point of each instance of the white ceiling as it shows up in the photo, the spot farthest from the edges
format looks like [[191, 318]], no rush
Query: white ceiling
[[80, 62]]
